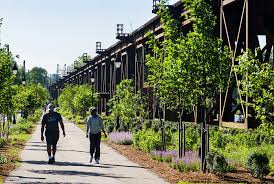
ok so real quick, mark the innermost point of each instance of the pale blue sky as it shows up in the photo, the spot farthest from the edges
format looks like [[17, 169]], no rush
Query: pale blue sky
[[47, 32]]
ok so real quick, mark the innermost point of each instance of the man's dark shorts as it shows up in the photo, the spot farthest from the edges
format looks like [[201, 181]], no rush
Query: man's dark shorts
[[52, 137]]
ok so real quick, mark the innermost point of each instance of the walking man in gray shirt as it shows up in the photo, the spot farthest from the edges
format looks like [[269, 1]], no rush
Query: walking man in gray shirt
[[94, 127]]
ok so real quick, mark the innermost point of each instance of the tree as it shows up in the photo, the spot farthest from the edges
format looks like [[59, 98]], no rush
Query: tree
[[30, 97], [77, 99], [126, 104], [65, 100], [80, 61], [38, 75], [191, 69], [6, 81], [257, 82], [84, 98]]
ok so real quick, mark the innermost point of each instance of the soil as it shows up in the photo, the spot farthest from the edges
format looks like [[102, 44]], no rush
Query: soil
[[173, 176], [13, 158]]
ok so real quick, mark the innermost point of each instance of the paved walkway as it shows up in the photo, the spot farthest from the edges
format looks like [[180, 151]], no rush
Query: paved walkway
[[72, 163]]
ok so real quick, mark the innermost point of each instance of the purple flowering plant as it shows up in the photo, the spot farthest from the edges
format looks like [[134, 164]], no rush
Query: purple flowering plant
[[124, 138], [164, 156], [187, 163]]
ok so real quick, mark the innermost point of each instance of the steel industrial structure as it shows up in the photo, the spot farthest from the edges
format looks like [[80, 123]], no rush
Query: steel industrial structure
[[239, 24]]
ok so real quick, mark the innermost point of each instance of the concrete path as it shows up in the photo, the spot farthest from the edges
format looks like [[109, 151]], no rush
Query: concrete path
[[72, 163]]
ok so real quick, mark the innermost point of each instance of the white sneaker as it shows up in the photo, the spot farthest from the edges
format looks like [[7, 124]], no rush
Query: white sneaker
[[90, 160], [97, 161]]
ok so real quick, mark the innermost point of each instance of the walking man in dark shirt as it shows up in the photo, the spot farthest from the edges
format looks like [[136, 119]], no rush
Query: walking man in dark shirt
[[94, 128], [51, 121]]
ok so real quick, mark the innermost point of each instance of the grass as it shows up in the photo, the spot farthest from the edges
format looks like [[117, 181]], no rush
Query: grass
[[185, 182], [240, 154], [11, 152]]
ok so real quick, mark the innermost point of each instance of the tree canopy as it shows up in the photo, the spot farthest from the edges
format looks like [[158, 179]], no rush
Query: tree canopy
[[38, 75]]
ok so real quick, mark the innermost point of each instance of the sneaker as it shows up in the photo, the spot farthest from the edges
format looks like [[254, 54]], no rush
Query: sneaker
[[90, 160], [50, 161], [53, 160], [97, 161]]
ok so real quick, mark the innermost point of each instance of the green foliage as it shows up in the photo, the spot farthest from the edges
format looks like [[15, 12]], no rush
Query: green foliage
[[184, 68], [38, 75], [248, 138], [257, 82], [83, 99], [271, 163], [108, 122], [6, 81], [127, 105], [184, 182], [36, 116], [3, 142], [30, 97], [183, 167], [147, 140], [23, 127], [76, 100], [3, 159], [217, 163], [65, 100], [80, 61], [258, 164]]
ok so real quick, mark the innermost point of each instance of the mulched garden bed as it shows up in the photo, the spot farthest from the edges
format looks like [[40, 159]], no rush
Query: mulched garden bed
[[173, 176], [12, 156]]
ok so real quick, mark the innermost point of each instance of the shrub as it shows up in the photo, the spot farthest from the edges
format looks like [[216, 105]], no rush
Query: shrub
[[147, 124], [22, 128], [35, 117], [272, 163], [217, 163], [124, 138], [3, 142], [258, 164], [79, 119], [163, 156], [147, 140], [192, 137], [190, 162], [3, 159], [109, 127]]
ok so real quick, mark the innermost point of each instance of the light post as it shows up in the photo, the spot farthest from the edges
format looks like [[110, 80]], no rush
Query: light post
[[92, 80], [15, 69], [24, 73], [117, 64], [15, 72]]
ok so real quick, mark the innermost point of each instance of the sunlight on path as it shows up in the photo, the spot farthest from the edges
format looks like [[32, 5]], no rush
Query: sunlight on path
[[72, 163]]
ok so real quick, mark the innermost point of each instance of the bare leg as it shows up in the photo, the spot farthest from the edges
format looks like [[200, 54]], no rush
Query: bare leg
[[49, 150], [54, 150]]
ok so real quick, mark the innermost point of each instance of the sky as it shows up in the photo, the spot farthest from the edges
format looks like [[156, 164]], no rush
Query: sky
[[45, 33]]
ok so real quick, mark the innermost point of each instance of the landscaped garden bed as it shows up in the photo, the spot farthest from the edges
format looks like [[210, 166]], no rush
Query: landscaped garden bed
[[171, 175], [11, 148]]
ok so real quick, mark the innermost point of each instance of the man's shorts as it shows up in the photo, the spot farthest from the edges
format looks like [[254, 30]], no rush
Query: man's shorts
[[52, 138]]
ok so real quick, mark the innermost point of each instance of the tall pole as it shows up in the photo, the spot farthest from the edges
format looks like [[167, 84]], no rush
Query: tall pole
[[247, 27], [24, 72], [221, 36], [1, 20], [203, 138]]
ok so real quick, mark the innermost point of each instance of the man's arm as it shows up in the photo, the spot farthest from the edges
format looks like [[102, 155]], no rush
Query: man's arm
[[62, 126], [88, 127], [43, 128], [102, 126]]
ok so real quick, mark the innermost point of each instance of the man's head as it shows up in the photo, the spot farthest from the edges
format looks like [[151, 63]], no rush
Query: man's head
[[51, 107], [93, 111]]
